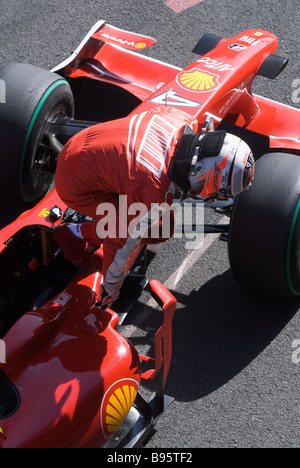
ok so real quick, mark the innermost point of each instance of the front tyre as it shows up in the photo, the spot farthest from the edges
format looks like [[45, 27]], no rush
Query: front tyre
[[34, 98], [264, 239]]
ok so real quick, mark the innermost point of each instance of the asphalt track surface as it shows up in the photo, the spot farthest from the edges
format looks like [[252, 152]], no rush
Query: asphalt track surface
[[234, 377]]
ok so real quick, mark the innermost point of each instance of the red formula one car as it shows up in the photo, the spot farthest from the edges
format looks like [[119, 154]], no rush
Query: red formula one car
[[70, 378]]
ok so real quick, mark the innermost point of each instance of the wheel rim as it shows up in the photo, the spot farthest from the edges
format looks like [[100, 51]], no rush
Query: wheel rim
[[44, 151], [28, 135], [290, 252]]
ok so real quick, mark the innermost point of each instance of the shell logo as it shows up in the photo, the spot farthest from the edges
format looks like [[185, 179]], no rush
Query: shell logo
[[198, 80], [2, 436], [116, 404], [140, 45]]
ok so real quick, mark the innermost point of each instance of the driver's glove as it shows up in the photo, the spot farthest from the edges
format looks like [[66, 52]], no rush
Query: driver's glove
[[107, 299]]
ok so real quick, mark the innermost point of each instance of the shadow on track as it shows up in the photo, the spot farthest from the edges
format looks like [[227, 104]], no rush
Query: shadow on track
[[220, 329]]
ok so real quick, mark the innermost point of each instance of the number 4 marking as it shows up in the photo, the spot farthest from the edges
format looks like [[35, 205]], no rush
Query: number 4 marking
[[171, 98]]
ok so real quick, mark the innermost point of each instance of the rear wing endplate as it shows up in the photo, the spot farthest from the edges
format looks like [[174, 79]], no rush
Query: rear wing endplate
[[271, 67], [207, 43], [101, 33], [123, 38]]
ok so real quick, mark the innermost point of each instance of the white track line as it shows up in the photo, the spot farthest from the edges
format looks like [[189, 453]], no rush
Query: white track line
[[175, 278], [192, 258]]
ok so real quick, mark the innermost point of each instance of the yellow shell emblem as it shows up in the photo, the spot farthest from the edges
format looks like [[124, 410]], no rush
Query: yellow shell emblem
[[116, 405], [198, 80], [140, 45]]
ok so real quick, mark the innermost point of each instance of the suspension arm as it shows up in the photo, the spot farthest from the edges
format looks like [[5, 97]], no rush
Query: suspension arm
[[66, 127]]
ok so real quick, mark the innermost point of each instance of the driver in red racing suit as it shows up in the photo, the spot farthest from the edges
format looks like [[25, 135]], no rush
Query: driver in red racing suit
[[132, 156]]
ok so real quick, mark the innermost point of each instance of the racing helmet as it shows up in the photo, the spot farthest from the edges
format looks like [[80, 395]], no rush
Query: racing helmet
[[214, 165]]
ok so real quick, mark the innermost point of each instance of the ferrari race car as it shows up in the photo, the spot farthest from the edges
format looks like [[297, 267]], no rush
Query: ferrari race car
[[70, 378]]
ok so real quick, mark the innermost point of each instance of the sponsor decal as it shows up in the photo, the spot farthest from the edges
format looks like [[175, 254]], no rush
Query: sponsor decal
[[136, 45], [249, 40], [140, 45], [198, 80], [2, 436], [44, 213], [224, 179], [228, 103], [116, 404], [155, 144], [216, 178], [237, 47], [215, 65], [171, 98]]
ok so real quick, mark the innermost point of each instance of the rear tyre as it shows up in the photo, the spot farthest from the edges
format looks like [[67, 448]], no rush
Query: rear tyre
[[264, 239], [34, 97]]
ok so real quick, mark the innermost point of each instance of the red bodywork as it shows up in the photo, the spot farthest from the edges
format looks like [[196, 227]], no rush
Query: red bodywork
[[218, 83], [77, 377]]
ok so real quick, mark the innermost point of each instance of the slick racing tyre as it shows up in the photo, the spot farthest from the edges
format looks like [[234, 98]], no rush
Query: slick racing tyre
[[264, 238], [33, 98]]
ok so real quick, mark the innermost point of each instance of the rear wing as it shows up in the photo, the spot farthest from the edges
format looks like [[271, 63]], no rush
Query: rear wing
[[101, 33], [271, 67], [218, 82], [123, 38], [112, 55]]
